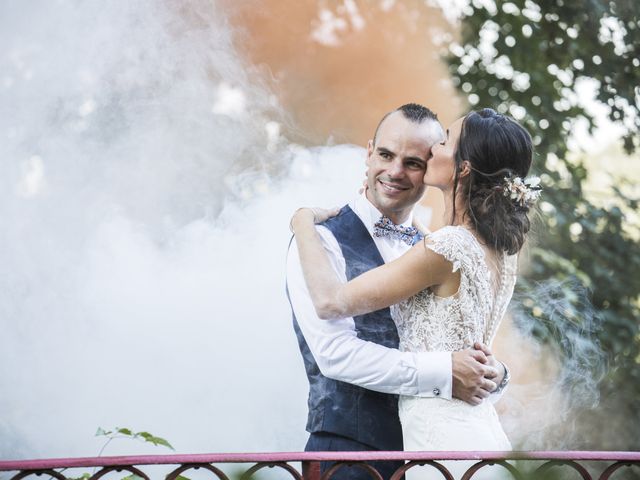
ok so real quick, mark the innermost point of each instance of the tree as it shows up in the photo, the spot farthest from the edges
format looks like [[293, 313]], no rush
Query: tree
[[529, 58]]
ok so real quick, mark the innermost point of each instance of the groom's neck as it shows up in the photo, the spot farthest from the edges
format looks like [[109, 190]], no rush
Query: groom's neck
[[396, 217]]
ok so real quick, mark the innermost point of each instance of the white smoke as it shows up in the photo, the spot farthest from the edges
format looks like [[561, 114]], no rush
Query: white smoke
[[145, 196], [543, 413]]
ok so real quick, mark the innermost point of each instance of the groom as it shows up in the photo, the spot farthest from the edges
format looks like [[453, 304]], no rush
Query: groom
[[354, 368]]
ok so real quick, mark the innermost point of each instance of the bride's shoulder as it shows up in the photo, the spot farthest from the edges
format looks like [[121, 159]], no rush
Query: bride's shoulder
[[450, 233], [454, 243]]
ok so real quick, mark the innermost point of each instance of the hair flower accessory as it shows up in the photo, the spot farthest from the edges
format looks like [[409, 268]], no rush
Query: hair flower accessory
[[523, 192]]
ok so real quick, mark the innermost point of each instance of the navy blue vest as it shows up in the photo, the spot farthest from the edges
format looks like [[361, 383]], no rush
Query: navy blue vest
[[341, 408]]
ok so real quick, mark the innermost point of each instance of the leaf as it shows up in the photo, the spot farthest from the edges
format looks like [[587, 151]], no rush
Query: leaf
[[84, 476], [160, 441], [133, 476], [125, 431], [102, 432], [150, 438]]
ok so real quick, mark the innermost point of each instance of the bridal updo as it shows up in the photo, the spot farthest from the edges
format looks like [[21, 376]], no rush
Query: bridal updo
[[497, 148]]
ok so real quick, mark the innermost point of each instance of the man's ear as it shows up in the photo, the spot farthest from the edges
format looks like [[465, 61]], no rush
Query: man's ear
[[369, 152], [465, 169]]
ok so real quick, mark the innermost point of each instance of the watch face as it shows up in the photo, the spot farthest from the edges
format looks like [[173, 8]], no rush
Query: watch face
[[505, 379]]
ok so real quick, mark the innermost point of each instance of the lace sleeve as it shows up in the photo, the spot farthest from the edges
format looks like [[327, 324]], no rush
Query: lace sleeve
[[456, 244]]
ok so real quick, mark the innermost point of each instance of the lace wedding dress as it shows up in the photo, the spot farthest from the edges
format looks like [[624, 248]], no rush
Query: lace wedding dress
[[427, 322]]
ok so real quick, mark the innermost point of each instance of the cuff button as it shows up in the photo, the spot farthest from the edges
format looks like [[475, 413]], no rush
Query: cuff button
[[436, 391]]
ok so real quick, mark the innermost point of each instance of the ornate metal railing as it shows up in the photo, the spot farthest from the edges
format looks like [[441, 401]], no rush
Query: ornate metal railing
[[520, 465]]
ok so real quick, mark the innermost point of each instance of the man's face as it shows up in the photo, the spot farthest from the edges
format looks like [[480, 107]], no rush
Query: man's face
[[397, 164]]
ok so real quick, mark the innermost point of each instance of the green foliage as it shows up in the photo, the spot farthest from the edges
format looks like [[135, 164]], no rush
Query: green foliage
[[541, 50], [128, 433], [84, 476], [529, 58]]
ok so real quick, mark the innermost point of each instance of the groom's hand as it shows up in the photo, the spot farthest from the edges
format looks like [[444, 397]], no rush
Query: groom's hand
[[492, 361], [473, 376]]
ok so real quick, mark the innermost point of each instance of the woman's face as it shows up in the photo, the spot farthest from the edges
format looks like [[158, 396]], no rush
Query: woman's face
[[441, 167]]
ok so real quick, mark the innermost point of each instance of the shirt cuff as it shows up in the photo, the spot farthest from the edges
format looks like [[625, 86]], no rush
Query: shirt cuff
[[434, 374]]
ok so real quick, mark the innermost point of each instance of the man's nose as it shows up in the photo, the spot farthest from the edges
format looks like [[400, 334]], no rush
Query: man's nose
[[396, 169]]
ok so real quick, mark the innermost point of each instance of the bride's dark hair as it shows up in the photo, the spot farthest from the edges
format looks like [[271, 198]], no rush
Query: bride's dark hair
[[495, 146]]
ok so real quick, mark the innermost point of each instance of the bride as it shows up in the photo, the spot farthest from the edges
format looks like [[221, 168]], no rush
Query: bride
[[451, 289]]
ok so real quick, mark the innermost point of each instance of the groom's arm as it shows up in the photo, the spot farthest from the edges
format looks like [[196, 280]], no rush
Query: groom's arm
[[341, 355]]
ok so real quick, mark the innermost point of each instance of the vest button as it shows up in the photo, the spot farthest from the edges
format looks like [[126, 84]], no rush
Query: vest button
[[436, 391]]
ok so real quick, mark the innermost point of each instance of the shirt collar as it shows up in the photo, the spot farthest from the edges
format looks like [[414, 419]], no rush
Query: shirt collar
[[370, 214]]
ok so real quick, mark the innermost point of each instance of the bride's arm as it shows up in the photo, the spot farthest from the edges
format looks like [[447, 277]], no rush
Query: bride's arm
[[390, 283]]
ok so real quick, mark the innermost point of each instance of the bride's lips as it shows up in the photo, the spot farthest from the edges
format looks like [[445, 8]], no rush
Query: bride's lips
[[392, 188]]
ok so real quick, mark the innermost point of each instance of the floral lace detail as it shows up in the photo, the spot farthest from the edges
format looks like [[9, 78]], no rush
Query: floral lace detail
[[427, 322]]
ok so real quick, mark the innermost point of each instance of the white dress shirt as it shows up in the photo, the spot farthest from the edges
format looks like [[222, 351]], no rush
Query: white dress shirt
[[338, 351]]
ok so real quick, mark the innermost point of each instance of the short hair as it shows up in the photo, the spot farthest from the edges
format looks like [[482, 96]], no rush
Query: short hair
[[414, 112]]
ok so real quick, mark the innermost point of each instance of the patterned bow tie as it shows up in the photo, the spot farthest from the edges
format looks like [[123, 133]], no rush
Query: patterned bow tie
[[386, 228]]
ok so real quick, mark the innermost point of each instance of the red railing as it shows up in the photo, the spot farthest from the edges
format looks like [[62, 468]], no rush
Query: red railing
[[588, 465]]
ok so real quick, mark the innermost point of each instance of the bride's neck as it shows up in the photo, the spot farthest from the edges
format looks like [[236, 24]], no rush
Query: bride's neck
[[457, 217], [460, 218]]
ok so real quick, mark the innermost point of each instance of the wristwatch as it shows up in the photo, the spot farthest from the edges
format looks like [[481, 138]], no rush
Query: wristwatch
[[505, 380]]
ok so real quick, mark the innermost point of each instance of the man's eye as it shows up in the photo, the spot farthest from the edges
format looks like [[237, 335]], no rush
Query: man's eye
[[385, 155]]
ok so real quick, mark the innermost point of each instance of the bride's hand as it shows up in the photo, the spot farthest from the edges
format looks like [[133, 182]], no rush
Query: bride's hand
[[364, 186], [421, 213], [311, 216]]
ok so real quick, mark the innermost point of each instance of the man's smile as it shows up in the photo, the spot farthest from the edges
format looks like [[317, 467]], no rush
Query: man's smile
[[392, 187]]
